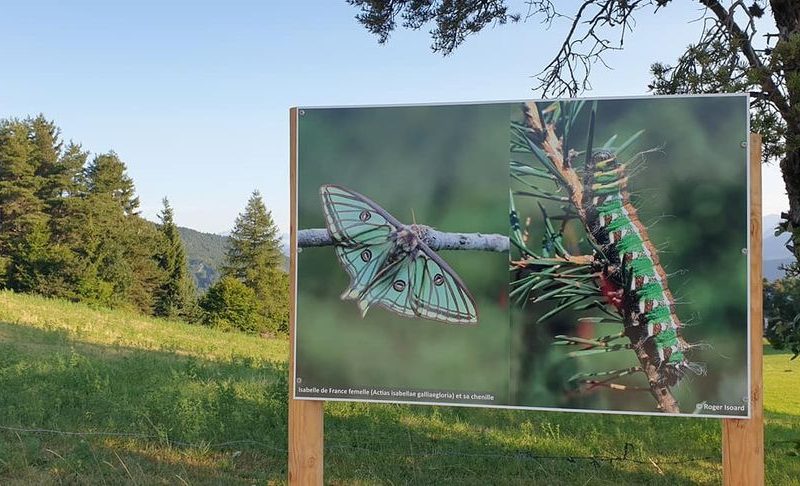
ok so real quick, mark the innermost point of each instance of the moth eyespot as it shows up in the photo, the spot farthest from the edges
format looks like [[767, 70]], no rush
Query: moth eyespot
[[366, 255], [399, 285], [364, 216], [438, 279]]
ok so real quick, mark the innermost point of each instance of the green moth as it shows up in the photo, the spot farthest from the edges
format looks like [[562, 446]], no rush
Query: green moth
[[389, 264]]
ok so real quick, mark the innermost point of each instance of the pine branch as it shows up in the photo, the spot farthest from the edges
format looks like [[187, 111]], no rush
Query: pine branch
[[553, 159], [436, 240]]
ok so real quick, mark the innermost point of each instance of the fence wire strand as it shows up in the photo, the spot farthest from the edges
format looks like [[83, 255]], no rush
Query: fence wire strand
[[626, 455]]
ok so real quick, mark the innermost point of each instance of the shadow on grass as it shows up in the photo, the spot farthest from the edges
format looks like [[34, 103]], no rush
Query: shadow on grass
[[147, 415], [224, 422], [420, 445]]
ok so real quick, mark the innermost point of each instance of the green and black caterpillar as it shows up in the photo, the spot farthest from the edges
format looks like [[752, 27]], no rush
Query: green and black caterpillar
[[622, 278], [632, 278]]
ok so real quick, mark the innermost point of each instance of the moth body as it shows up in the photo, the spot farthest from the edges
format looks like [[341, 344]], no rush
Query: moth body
[[406, 240]]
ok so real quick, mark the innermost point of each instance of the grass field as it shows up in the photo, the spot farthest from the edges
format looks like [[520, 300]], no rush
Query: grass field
[[154, 402]]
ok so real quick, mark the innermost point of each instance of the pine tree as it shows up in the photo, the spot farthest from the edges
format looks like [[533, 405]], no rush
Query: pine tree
[[254, 258], [106, 176], [254, 245], [175, 295], [69, 231], [118, 249], [45, 157], [22, 219], [46, 263], [143, 247], [64, 195]]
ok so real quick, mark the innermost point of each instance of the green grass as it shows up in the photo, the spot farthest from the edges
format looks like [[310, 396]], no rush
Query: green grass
[[206, 407]]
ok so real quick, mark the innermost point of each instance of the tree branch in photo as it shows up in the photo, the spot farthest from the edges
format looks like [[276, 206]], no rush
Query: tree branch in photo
[[436, 240]]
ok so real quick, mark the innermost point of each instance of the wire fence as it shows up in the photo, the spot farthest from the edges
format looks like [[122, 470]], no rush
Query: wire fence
[[627, 453], [374, 457]]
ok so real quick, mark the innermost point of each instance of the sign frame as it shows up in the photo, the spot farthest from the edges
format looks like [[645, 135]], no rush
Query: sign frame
[[742, 438]]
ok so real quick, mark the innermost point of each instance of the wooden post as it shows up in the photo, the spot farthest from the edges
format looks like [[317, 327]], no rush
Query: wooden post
[[743, 440], [305, 416]]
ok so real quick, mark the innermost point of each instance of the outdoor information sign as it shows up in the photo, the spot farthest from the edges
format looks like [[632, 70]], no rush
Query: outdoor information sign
[[579, 255]]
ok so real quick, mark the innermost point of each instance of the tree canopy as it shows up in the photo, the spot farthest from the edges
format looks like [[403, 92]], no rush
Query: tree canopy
[[69, 226]]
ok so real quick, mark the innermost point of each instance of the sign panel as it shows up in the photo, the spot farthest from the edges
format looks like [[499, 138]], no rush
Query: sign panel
[[583, 255]]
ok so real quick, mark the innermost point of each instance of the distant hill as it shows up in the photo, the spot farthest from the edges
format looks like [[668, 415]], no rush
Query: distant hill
[[775, 246], [205, 253], [775, 252]]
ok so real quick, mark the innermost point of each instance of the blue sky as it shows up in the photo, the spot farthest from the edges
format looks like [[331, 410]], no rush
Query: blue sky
[[194, 96]]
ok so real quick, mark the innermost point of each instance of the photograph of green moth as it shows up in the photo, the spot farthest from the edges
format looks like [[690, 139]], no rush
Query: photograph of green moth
[[388, 262], [381, 314], [614, 278]]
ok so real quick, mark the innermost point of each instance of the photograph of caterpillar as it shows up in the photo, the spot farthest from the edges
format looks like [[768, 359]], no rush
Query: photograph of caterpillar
[[596, 284]]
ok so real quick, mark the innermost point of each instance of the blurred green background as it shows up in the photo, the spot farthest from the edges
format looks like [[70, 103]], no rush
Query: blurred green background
[[692, 196], [447, 164]]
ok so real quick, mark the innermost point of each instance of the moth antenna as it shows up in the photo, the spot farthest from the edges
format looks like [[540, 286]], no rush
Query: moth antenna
[[413, 217]]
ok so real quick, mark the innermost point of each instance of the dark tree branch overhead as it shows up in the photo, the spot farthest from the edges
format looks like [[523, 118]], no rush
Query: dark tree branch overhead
[[454, 20], [726, 23], [585, 42], [591, 33]]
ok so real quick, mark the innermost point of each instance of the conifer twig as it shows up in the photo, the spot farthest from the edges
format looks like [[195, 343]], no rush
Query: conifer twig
[[546, 146]]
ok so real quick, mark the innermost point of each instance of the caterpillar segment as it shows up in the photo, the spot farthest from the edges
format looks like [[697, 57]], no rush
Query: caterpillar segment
[[633, 280]]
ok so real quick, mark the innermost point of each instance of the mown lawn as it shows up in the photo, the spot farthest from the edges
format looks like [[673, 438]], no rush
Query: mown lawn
[[159, 402]]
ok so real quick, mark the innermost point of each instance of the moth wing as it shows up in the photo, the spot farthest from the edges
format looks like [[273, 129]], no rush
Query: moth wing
[[439, 293], [392, 289], [363, 263], [353, 219]]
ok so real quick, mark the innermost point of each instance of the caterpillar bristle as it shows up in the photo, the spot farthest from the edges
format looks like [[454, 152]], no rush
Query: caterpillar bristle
[[633, 268], [697, 368]]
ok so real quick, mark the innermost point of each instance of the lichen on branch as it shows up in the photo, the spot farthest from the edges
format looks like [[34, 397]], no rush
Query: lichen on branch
[[436, 240]]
